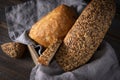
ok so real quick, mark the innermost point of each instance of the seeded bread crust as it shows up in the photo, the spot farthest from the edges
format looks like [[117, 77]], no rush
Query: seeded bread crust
[[86, 34], [14, 49], [46, 57]]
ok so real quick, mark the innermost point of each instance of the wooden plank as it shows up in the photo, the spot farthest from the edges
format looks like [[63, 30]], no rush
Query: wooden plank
[[12, 69], [34, 54]]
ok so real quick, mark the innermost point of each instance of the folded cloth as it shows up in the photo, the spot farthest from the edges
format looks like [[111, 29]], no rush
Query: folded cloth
[[103, 66]]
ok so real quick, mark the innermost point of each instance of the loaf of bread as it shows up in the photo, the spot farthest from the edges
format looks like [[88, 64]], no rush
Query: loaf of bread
[[86, 34], [46, 57], [54, 25]]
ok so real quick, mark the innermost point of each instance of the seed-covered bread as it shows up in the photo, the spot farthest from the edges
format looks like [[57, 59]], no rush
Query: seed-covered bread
[[14, 49], [86, 34], [54, 25], [46, 57]]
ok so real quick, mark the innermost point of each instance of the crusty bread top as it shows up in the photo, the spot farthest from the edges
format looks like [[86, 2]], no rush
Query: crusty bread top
[[54, 25], [86, 34]]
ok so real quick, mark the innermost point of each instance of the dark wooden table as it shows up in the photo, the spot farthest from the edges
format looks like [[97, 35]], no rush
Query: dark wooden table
[[19, 69], [113, 35], [12, 69]]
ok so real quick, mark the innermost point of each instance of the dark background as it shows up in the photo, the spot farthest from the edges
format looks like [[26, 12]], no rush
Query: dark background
[[19, 69], [12, 69]]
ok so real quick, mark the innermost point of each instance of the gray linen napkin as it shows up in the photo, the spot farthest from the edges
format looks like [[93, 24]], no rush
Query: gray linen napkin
[[103, 65]]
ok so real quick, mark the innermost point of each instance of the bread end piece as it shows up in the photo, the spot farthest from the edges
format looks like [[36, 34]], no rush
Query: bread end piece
[[46, 57], [14, 49]]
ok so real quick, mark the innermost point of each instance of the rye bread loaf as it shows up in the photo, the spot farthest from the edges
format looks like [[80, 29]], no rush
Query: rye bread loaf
[[86, 34], [55, 25]]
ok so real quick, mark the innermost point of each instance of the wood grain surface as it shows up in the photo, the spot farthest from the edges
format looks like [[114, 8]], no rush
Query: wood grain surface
[[10, 68], [113, 35]]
